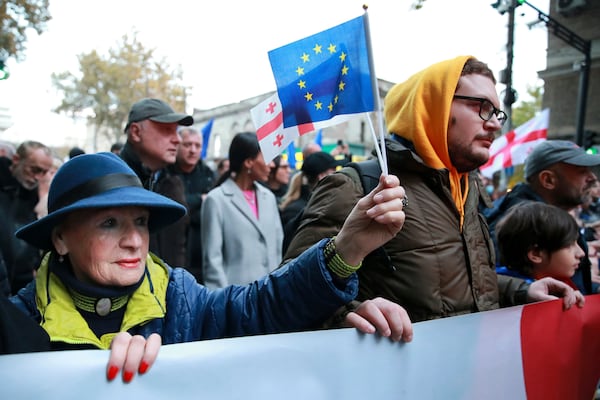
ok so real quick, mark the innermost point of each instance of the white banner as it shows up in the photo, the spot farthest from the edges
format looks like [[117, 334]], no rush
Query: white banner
[[477, 356]]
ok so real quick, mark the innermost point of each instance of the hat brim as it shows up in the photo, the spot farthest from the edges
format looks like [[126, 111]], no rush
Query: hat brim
[[163, 212], [181, 119], [584, 160]]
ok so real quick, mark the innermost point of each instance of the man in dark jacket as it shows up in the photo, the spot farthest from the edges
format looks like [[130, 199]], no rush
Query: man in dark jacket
[[19, 179], [4, 284], [441, 264], [198, 178], [558, 172], [151, 146], [18, 332]]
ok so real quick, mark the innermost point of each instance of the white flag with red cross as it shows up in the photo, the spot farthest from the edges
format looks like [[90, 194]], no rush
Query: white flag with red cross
[[272, 136], [513, 147]]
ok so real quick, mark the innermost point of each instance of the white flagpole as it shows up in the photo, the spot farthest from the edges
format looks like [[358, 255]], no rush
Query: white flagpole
[[377, 148], [382, 154]]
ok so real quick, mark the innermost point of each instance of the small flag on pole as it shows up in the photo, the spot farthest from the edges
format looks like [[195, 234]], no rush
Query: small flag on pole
[[268, 120], [324, 75], [513, 147], [322, 80], [291, 150], [319, 138], [273, 138], [206, 130]]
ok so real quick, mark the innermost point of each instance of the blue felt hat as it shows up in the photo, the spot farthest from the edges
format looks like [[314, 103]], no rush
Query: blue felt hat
[[97, 181]]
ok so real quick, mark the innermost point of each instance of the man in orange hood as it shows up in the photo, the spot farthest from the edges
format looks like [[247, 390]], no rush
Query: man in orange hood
[[442, 121]]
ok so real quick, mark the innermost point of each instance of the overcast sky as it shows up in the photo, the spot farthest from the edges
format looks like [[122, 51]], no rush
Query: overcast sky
[[222, 45]]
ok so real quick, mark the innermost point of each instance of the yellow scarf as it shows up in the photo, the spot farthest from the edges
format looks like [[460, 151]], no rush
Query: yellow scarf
[[419, 111]]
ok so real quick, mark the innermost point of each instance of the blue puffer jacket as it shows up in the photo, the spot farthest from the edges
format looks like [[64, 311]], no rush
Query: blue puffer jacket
[[298, 296]]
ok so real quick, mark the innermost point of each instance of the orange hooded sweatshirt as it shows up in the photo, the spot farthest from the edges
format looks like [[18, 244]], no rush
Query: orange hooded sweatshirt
[[410, 113]]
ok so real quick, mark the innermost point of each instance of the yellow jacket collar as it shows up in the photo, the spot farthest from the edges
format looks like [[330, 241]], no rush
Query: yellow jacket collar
[[64, 323]]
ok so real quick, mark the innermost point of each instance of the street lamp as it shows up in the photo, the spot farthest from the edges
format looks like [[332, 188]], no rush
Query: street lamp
[[574, 40], [510, 95]]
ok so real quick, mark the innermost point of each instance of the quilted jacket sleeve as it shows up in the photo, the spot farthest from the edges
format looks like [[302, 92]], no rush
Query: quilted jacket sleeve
[[299, 296]]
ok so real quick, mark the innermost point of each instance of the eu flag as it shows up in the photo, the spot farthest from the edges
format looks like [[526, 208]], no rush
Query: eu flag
[[291, 151], [206, 130], [324, 75]]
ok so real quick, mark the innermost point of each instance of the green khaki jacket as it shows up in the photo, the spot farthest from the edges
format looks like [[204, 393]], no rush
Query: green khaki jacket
[[430, 268]]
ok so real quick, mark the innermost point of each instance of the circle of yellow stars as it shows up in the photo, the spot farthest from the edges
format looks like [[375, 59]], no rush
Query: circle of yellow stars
[[302, 85]]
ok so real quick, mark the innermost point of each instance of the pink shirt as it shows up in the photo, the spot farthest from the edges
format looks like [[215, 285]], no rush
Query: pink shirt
[[250, 196]]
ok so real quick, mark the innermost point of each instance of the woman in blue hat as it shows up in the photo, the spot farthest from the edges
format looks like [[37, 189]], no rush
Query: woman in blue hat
[[98, 279]]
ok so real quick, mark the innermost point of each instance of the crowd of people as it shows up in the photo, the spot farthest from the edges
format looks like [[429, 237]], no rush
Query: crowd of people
[[146, 244]]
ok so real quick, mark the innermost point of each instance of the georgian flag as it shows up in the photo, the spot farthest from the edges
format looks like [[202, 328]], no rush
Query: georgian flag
[[513, 147], [273, 138]]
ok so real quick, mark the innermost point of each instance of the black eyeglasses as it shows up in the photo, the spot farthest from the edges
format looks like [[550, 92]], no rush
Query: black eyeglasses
[[486, 109]]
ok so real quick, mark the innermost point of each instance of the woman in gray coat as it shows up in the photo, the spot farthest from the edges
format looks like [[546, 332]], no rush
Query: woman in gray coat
[[241, 228]]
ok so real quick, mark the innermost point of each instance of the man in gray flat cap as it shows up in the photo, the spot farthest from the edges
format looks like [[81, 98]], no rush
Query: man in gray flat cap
[[557, 172], [151, 146]]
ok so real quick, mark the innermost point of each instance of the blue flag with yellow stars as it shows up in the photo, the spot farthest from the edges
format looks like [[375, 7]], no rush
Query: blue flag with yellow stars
[[324, 75], [206, 130]]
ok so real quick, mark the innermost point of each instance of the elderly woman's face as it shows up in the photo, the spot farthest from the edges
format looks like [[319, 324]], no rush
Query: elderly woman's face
[[105, 246]]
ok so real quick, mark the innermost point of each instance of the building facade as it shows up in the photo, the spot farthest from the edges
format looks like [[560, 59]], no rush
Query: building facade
[[5, 119], [563, 74]]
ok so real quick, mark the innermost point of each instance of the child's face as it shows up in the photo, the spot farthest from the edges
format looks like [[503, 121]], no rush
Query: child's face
[[560, 264]]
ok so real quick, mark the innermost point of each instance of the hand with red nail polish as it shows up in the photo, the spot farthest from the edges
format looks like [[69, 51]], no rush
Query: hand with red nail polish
[[127, 376], [131, 354], [112, 372], [143, 367]]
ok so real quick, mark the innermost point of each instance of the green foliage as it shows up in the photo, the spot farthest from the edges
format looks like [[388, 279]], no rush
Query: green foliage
[[16, 16], [3, 70], [526, 110], [107, 86], [417, 4]]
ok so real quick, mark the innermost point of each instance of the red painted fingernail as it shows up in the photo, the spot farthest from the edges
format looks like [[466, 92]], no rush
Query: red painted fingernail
[[143, 367], [127, 376], [112, 372]]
